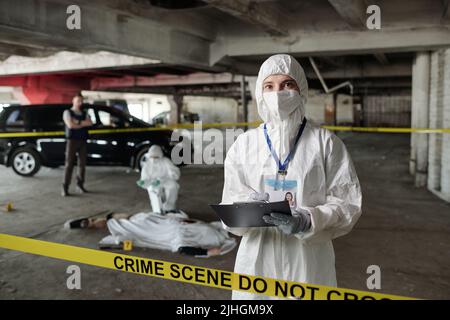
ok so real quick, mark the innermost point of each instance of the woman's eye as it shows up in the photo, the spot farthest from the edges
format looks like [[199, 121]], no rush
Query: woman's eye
[[289, 85], [267, 87]]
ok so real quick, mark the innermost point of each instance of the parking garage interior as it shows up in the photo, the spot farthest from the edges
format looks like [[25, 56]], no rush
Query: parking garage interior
[[174, 63]]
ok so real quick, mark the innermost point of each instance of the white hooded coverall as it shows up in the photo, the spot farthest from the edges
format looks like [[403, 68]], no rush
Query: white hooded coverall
[[327, 188], [158, 167]]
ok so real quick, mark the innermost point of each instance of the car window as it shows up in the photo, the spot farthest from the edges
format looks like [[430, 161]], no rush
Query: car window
[[15, 119], [46, 119], [111, 120], [91, 114], [12, 120]]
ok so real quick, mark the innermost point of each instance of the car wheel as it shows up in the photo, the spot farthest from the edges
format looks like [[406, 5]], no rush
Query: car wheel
[[141, 158], [25, 162]]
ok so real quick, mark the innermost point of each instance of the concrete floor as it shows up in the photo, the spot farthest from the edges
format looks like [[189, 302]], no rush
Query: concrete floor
[[404, 230]]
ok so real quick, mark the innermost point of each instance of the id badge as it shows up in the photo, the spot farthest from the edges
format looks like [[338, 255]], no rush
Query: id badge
[[279, 189], [281, 176]]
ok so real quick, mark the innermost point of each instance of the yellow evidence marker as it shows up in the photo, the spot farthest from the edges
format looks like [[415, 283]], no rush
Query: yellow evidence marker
[[9, 207], [127, 245]]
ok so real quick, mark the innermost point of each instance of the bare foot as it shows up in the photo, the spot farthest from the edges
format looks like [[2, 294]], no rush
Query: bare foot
[[213, 252], [99, 223]]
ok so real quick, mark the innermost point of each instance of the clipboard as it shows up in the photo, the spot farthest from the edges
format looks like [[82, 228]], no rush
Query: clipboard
[[249, 214]]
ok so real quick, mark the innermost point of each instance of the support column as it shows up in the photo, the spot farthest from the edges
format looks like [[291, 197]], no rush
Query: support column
[[176, 105], [242, 108], [436, 120], [252, 107], [330, 109], [358, 115], [445, 171], [244, 103], [420, 117]]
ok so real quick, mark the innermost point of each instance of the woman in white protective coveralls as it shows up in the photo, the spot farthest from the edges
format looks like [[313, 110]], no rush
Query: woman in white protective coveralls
[[288, 153], [159, 172]]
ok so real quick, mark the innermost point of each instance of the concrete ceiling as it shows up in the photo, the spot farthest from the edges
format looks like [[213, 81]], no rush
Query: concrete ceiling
[[231, 35], [214, 30]]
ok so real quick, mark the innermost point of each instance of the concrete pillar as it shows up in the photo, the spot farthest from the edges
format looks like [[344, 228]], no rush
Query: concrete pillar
[[242, 108], [330, 109], [436, 120], [358, 114], [244, 100], [445, 170], [146, 110], [252, 107], [420, 117], [176, 105]]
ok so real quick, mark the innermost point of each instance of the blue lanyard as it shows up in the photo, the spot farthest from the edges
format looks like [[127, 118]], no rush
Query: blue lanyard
[[282, 166]]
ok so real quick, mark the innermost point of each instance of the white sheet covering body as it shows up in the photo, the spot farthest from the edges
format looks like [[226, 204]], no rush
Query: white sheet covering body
[[168, 232]]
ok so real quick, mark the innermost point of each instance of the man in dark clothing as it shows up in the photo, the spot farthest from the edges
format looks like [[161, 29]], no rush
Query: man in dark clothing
[[77, 122]]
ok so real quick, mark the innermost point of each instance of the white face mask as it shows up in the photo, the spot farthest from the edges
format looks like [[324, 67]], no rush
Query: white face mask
[[282, 103]]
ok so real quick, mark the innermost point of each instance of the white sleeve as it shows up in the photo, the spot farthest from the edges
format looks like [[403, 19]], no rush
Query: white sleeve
[[234, 188], [342, 209], [173, 170], [146, 172]]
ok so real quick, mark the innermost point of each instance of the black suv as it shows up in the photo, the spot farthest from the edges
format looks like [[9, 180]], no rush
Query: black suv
[[26, 154]]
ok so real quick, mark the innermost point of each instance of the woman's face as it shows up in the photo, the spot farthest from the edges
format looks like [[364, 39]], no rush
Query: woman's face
[[288, 196], [279, 82]]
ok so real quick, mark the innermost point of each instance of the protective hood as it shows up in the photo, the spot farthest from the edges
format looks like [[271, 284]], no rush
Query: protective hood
[[155, 151], [159, 167], [281, 64], [282, 132]]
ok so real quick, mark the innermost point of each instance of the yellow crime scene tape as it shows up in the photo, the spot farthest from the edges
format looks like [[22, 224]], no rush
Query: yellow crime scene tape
[[387, 130], [221, 125], [128, 130], [187, 273]]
